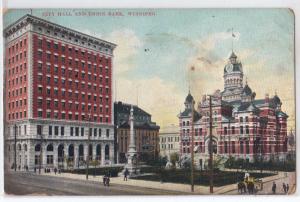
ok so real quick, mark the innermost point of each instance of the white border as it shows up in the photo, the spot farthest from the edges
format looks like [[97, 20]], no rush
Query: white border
[[293, 4]]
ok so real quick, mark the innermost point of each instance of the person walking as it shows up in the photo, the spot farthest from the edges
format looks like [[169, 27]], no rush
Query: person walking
[[284, 187], [107, 181], [55, 170], [287, 188], [274, 188], [126, 174], [104, 180]]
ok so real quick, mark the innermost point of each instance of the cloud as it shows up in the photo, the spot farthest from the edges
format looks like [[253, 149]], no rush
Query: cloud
[[158, 97], [128, 47]]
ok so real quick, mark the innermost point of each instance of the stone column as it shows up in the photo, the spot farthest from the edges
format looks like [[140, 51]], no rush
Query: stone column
[[111, 153], [102, 154], [66, 155], [44, 155], [76, 156], [86, 151], [55, 155]]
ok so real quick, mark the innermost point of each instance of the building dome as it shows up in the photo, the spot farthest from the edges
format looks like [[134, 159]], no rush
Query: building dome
[[189, 98], [233, 55], [276, 99], [247, 90]]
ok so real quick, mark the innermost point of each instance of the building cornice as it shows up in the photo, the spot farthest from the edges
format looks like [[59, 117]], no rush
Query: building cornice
[[29, 19]]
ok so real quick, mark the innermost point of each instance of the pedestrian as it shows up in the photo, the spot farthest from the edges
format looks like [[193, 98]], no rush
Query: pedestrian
[[59, 171], [287, 188], [55, 170], [104, 180], [107, 181], [34, 169], [284, 187], [126, 174], [274, 188]]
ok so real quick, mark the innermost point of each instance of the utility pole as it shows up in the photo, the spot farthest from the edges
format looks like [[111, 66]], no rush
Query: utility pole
[[41, 150], [192, 149], [211, 187], [88, 152], [15, 166]]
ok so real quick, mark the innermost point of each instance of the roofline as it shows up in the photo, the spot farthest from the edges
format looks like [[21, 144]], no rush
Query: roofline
[[54, 24]]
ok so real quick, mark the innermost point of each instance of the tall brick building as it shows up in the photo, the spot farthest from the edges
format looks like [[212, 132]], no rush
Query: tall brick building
[[58, 89], [243, 127]]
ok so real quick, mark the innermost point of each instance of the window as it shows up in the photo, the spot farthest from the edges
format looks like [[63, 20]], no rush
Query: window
[[246, 119], [40, 113], [100, 132], [107, 132], [247, 129], [62, 130], [233, 130], [241, 129], [82, 131], [48, 115], [56, 130], [50, 130], [39, 129], [241, 147], [71, 131], [95, 131], [77, 131], [241, 119], [225, 130]]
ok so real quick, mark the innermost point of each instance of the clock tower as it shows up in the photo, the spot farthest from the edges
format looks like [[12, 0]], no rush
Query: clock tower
[[233, 79]]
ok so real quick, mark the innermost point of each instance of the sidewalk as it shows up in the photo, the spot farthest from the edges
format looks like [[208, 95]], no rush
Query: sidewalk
[[186, 188]]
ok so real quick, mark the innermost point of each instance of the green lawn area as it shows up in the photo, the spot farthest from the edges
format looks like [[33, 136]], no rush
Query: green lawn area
[[221, 178]]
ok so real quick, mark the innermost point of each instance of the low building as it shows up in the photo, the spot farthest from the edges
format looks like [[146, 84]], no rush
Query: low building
[[146, 132], [169, 138]]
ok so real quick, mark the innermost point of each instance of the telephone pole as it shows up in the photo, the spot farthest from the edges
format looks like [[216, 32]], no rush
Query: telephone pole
[[211, 186], [88, 152], [192, 149]]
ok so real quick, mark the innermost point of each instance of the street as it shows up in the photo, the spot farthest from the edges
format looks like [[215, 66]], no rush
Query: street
[[22, 183]]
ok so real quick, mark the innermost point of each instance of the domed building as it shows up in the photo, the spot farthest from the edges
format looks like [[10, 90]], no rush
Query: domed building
[[243, 126]]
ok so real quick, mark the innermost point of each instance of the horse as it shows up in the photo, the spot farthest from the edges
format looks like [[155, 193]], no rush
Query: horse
[[250, 187], [241, 187]]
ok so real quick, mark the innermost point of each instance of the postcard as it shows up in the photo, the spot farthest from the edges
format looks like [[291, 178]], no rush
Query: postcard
[[149, 101]]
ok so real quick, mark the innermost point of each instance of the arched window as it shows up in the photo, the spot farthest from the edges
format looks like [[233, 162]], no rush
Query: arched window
[[106, 152], [37, 148], [50, 148], [19, 147], [98, 152]]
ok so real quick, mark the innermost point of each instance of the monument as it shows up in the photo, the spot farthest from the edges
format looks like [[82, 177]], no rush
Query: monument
[[132, 165]]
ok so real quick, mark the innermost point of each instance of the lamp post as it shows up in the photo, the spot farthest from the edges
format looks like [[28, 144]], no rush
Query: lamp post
[[192, 149], [15, 149], [211, 186], [88, 152], [41, 150]]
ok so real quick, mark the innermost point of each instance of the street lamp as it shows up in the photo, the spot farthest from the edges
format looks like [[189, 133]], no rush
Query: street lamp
[[15, 149], [41, 150], [88, 152]]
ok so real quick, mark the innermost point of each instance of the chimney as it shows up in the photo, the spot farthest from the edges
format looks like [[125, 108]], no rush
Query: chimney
[[267, 98]]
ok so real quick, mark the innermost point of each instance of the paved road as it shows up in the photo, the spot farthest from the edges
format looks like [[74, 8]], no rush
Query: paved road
[[34, 184]]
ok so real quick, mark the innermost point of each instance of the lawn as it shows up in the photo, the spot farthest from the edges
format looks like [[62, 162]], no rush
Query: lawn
[[221, 178]]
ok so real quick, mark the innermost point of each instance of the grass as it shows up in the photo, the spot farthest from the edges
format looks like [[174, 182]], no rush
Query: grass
[[221, 178]]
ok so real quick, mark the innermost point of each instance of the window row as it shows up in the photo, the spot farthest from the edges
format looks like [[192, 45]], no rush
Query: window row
[[17, 92], [70, 94], [17, 57], [17, 81], [18, 103], [17, 69], [70, 83], [17, 130], [17, 115], [16, 46], [63, 115], [74, 131]]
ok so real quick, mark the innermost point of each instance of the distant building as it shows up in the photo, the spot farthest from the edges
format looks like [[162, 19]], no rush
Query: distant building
[[169, 139], [243, 127], [57, 92], [146, 132]]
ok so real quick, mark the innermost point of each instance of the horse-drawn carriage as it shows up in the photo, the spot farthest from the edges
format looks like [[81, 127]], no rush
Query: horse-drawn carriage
[[251, 184]]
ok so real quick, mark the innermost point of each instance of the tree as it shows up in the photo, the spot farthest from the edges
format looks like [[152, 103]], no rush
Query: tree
[[174, 157]]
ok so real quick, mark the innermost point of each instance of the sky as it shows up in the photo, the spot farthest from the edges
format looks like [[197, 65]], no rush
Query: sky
[[159, 78]]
